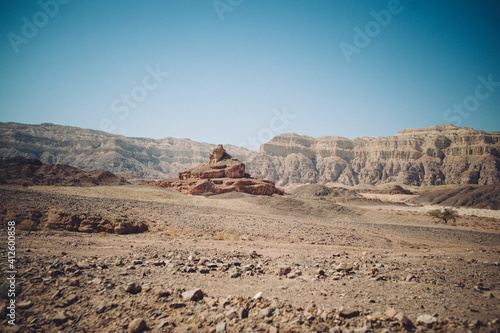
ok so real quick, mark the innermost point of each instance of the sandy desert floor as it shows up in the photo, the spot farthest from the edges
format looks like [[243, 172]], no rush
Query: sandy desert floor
[[262, 264]]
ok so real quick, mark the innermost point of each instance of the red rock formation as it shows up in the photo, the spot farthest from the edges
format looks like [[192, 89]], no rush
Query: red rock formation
[[221, 174]]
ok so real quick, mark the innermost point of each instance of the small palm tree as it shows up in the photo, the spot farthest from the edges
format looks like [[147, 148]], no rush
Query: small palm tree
[[447, 214]]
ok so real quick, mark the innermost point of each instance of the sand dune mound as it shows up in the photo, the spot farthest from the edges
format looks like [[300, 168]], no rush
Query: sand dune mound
[[486, 197], [22, 171]]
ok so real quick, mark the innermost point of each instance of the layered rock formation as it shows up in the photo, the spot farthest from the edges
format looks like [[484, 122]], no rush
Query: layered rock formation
[[221, 174], [430, 156], [96, 150]]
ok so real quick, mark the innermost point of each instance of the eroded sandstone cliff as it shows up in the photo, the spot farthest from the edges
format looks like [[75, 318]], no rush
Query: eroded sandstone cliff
[[430, 156]]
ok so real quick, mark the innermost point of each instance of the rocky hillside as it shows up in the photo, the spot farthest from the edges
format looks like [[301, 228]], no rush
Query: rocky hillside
[[430, 156], [22, 171], [97, 150]]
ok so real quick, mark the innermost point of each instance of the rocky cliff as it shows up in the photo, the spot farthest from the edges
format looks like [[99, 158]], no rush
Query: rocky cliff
[[97, 150], [430, 156]]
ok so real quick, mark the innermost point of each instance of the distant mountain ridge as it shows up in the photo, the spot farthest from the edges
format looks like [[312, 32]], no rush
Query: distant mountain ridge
[[96, 150], [436, 155]]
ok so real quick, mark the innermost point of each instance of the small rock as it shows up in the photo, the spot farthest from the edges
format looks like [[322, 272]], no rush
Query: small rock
[[258, 295], [193, 295], [133, 288], [403, 319], [177, 305], [25, 305], [267, 312], [427, 320], [162, 292], [221, 327], [72, 298], [391, 312], [137, 325], [231, 314], [74, 282], [243, 313], [488, 295], [82, 264], [344, 267], [283, 270], [409, 277], [60, 318], [349, 313], [100, 308], [210, 301]]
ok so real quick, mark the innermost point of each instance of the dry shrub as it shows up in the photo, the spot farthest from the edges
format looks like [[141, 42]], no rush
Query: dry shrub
[[170, 232], [26, 225], [226, 236]]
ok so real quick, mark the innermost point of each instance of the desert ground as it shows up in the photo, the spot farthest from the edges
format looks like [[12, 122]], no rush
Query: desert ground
[[242, 263]]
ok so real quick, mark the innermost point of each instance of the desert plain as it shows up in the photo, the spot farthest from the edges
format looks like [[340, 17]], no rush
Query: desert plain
[[237, 262]]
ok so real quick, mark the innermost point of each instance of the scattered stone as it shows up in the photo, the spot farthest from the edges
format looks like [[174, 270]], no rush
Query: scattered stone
[[162, 292], [25, 305], [427, 320], [231, 314], [137, 325], [283, 270], [258, 295], [349, 313], [267, 312], [221, 327], [391, 312], [82, 264], [344, 267], [403, 319], [133, 288], [60, 318], [193, 295], [243, 313], [74, 282], [177, 305], [100, 308]]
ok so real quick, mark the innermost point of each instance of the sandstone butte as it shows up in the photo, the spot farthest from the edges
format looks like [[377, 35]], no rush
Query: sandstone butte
[[221, 174]]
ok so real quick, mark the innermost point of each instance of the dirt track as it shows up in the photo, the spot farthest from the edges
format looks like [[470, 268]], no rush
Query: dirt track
[[406, 262]]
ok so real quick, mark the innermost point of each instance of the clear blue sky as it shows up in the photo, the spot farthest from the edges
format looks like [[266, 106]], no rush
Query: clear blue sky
[[233, 65]]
